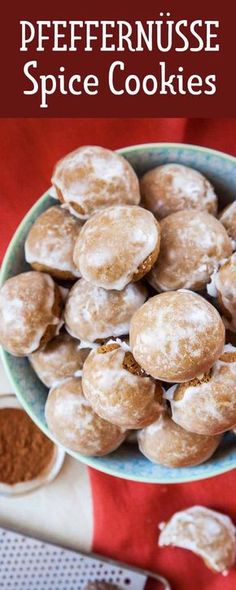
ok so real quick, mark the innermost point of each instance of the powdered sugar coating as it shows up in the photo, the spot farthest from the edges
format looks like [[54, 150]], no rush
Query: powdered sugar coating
[[224, 283], [175, 335], [93, 313], [211, 286], [92, 178], [208, 406], [59, 359], [168, 444], [74, 423], [192, 245], [174, 187], [30, 303], [124, 398], [228, 219], [50, 243], [208, 533], [114, 243]]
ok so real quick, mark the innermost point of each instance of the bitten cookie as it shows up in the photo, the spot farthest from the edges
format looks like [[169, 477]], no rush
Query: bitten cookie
[[208, 533]]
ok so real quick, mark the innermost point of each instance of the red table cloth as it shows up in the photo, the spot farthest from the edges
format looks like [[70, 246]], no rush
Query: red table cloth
[[126, 514]]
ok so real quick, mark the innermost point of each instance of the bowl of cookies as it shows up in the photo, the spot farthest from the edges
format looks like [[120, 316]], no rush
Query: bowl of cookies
[[118, 311]]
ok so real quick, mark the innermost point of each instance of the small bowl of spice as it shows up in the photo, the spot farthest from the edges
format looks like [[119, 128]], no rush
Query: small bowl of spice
[[28, 459]]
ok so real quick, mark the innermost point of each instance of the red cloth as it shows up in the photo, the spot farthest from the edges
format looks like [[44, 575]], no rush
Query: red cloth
[[126, 514]]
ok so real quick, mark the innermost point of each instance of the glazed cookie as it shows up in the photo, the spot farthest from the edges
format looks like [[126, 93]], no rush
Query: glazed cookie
[[117, 246], [223, 287], [50, 243], [74, 424], [176, 335], [173, 187], [30, 312], [208, 405], [92, 178], [118, 390], [207, 533], [60, 358], [228, 219], [168, 444], [193, 243], [93, 313]]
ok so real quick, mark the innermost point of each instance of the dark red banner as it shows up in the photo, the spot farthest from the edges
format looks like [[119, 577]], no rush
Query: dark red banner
[[171, 59]]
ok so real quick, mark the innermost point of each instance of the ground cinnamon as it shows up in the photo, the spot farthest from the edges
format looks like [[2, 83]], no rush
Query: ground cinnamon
[[25, 451]]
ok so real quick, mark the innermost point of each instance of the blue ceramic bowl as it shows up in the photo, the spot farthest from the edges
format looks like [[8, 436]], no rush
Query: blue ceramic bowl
[[126, 462]]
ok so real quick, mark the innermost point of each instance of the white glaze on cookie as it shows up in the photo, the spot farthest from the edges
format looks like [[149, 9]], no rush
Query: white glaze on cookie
[[118, 395], [176, 334], [51, 241], [166, 443], [114, 243], [59, 359], [193, 243], [208, 405], [92, 178], [223, 287], [174, 187], [26, 311], [208, 533], [93, 313], [74, 423]]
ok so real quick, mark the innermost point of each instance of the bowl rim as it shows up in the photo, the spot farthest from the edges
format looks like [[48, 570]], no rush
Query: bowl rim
[[91, 461], [166, 144]]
